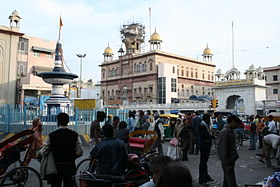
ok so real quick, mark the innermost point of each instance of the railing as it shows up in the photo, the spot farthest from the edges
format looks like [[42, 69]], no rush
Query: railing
[[17, 118]]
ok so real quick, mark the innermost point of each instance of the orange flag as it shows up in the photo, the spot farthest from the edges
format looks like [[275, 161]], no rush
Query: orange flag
[[60, 23]]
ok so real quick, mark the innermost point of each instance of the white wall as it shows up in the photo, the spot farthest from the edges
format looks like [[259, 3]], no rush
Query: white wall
[[166, 70]]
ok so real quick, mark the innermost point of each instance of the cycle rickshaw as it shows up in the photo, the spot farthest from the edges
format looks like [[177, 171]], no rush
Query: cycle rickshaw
[[12, 171], [140, 142]]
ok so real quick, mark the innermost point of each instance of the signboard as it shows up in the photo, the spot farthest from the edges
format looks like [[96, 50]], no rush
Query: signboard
[[234, 82], [85, 104]]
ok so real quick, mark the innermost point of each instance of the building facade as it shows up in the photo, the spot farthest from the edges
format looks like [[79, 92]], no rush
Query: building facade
[[154, 76], [35, 55], [272, 78], [22, 57], [9, 37]]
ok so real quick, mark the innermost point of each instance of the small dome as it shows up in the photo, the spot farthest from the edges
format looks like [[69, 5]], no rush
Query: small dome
[[155, 36], [108, 50], [219, 71], [252, 67], [207, 51], [260, 69], [15, 13]]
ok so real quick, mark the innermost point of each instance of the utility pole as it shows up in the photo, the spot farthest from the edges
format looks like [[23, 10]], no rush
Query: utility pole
[[80, 85]]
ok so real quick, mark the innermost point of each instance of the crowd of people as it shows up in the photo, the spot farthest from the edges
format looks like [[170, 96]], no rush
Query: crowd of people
[[109, 137]]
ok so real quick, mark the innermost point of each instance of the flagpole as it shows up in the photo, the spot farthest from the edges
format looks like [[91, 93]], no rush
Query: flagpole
[[232, 35], [150, 20]]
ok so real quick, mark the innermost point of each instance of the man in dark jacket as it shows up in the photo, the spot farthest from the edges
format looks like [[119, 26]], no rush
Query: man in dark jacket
[[227, 152], [110, 152], [65, 146], [196, 121], [205, 148]]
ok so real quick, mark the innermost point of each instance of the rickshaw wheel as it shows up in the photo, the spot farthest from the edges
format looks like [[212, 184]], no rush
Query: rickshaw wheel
[[22, 176], [86, 165]]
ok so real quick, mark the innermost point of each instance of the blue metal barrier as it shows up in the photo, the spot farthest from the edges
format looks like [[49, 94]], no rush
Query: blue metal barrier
[[15, 118]]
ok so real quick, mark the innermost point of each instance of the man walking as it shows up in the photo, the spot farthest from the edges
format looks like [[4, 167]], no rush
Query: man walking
[[227, 152], [196, 121], [160, 133], [205, 148], [65, 146]]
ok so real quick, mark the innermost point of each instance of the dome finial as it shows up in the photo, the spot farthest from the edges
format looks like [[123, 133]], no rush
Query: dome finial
[[207, 51]]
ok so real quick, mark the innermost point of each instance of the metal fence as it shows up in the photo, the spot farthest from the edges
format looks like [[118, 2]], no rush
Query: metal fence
[[17, 118]]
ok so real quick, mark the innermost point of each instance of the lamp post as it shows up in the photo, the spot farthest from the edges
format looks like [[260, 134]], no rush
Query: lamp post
[[80, 85]]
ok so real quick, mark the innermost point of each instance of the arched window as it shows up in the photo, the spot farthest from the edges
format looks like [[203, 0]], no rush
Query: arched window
[[191, 73], [103, 73], [140, 67], [173, 69], [182, 72], [145, 67], [117, 71], [151, 66], [109, 72], [113, 72], [187, 72], [135, 68]]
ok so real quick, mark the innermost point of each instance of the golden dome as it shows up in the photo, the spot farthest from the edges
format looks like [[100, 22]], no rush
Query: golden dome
[[108, 50], [155, 36], [207, 51]]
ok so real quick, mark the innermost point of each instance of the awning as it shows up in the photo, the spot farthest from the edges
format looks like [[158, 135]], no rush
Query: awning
[[39, 69], [43, 50]]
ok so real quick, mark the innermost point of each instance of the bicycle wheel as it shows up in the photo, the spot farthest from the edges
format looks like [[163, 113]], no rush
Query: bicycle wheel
[[22, 176], [86, 165]]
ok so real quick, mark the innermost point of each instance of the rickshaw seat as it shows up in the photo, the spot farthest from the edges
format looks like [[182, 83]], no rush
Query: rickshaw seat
[[137, 142]]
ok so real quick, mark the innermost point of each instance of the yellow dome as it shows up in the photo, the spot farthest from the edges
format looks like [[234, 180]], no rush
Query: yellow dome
[[108, 50], [155, 36], [207, 51]]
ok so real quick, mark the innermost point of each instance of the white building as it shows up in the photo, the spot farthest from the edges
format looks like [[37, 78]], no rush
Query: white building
[[245, 96]]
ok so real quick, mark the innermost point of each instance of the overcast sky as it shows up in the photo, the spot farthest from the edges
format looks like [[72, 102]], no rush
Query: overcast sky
[[185, 26]]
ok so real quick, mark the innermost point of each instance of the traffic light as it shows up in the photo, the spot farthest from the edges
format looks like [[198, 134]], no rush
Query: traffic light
[[214, 103]]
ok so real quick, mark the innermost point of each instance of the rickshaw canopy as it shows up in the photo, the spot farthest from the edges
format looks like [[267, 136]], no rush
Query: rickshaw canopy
[[168, 116]]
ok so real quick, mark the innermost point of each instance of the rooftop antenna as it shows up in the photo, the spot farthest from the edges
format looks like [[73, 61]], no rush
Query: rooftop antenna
[[232, 42]]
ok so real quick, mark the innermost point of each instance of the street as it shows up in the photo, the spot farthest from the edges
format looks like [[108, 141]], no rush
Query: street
[[248, 169]]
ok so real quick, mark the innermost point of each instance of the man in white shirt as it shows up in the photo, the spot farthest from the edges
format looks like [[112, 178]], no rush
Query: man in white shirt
[[158, 127], [271, 125], [270, 142]]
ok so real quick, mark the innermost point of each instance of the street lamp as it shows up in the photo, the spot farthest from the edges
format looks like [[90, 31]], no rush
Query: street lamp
[[80, 85]]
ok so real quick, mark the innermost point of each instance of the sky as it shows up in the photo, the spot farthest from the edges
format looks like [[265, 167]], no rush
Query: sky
[[185, 26]]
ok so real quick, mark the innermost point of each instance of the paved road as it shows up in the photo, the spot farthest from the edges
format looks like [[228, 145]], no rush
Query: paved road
[[248, 169]]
